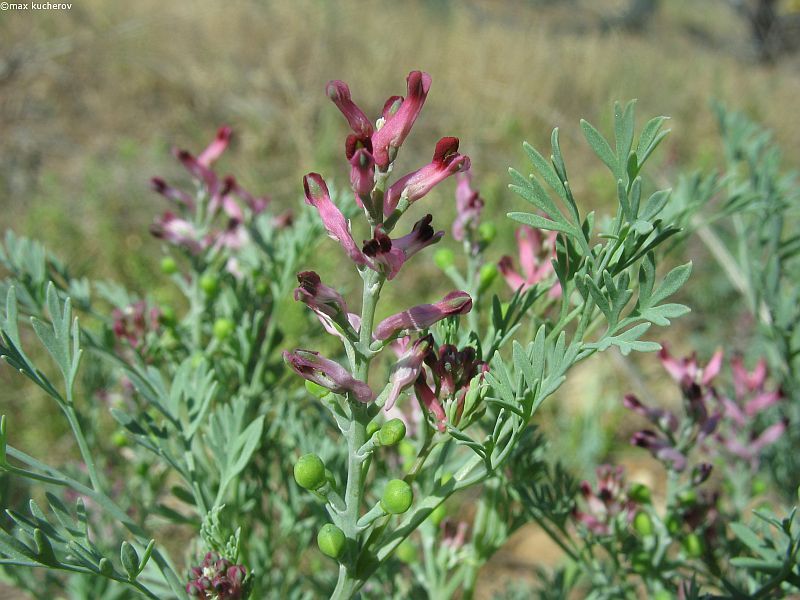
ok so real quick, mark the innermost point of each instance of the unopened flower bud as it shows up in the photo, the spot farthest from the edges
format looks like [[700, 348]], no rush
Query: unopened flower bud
[[397, 497], [331, 540], [309, 472], [392, 432]]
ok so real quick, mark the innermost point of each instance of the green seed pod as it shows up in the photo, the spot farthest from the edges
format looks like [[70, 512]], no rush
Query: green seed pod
[[640, 493], [406, 552], [169, 266], [168, 341], [487, 232], [119, 439], [331, 540], [372, 428], [687, 497], [309, 472], [693, 545], [444, 258], [223, 328], [758, 486], [487, 275], [209, 284], [392, 432], [397, 497], [316, 390], [642, 524]]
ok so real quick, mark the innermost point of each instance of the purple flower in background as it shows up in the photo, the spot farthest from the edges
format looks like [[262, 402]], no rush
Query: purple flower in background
[[687, 371], [469, 205], [133, 322], [446, 162], [178, 232], [608, 503], [660, 448], [215, 149], [423, 316], [454, 533], [535, 253], [216, 579], [170, 193], [327, 373]]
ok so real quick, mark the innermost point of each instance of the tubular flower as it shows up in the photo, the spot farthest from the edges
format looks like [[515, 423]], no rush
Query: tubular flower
[[421, 236], [423, 316], [339, 93], [215, 149], [327, 373], [217, 579], [319, 297], [170, 193], [398, 120], [362, 170], [429, 400], [384, 256], [687, 371], [660, 448], [469, 205], [317, 195], [133, 322], [534, 258], [179, 232], [407, 369], [446, 162]]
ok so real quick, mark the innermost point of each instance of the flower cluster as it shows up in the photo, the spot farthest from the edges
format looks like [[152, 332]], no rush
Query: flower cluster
[[132, 323], [190, 225], [609, 506], [713, 421], [217, 579], [371, 151]]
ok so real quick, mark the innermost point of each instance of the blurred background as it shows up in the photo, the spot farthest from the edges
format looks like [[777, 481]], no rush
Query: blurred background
[[93, 98]]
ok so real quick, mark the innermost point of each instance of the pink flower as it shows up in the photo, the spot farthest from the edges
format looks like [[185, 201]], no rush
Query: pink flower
[[133, 322], [660, 448], [687, 371], [430, 401], [534, 257], [338, 227], [663, 418], [362, 170], [399, 119], [216, 579], [329, 374], [407, 369], [216, 147], [319, 297], [358, 121], [423, 316], [468, 206], [446, 162], [179, 232], [421, 236], [388, 256], [171, 193], [454, 533]]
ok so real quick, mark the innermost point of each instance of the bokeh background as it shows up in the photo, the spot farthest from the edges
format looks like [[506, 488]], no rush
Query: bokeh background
[[93, 98]]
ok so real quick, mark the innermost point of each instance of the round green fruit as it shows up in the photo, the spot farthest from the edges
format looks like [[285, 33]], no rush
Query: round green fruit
[[331, 540], [392, 432], [444, 258], [642, 524], [437, 515], [397, 497], [487, 232], [406, 552], [309, 472], [223, 328], [209, 284], [169, 266], [487, 275]]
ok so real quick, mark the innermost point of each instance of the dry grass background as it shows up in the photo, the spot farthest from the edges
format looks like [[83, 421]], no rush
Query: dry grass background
[[92, 99]]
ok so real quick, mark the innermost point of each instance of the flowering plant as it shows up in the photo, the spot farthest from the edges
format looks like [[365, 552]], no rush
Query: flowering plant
[[398, 415]]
